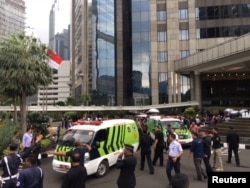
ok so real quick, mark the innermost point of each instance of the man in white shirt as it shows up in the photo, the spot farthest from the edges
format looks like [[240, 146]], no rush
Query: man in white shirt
[[27, 138], [174, 153]]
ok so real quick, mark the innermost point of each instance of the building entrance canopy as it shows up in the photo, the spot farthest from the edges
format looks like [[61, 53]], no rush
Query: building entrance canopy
[[230, 56]]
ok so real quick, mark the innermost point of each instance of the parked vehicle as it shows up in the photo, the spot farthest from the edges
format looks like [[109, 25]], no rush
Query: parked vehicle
[[184, 134]]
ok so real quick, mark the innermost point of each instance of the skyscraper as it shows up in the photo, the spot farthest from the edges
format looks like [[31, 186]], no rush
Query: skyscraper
[[126, 50], [12, 16]]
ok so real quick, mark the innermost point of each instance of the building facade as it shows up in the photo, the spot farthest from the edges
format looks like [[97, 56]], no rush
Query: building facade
[[126, 50], [62, 44], [12, 16]]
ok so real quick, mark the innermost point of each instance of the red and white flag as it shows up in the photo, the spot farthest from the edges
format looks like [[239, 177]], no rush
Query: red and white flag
[[54, 59]]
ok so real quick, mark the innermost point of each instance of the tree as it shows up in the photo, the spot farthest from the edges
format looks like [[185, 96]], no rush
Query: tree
[[23, 69], [86, 99], [70, 101]]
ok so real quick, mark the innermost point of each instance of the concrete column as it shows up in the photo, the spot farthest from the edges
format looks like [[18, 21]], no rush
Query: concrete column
[[197, 88]]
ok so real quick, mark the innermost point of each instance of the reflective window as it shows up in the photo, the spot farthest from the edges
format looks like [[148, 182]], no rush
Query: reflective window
[[184, 53], [161, 36], [141, 32], [183, 14], [163, 87], [161, 15], [103, 54], [162, 57], [222, 12], [183, 34], [185, 88]]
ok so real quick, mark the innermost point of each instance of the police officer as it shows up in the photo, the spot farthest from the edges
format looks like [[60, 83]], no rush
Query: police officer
[[32, 176], [10, 164]]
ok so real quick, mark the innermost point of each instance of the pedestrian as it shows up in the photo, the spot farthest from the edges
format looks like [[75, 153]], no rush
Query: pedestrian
[[10, 165], [158, 146], [174, 155], [216, 148], [168, 132], [207, 150], [172, 130], [32, 176], [180, 181], [16, 139], [27, 138], [194, 128], [37, 149], [77, 174], [81, 148], [126, 162], [197, 151], [233, 141], [145, 146]]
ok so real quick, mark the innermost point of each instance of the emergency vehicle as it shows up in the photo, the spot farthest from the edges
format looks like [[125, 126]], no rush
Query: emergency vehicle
[[184, 134], [107, 139]]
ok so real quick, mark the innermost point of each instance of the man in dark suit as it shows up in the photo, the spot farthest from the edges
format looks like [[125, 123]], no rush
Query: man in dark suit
[[126, 162], [77, 174], [158, 146], [233, 140], [145, 145]]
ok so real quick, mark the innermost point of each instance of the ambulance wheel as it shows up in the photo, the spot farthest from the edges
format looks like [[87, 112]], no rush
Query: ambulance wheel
[[102, 169]]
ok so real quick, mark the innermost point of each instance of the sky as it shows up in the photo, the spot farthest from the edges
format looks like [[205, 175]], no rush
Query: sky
[[37, 17]]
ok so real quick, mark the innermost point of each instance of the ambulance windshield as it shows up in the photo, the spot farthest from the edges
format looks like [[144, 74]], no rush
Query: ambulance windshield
[[174, 124], [72, 136]]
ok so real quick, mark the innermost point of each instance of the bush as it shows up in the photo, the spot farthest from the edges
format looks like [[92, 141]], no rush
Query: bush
[[7, 129]]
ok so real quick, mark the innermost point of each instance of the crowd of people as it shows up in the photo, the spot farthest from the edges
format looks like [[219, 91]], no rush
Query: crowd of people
[[204, 146]]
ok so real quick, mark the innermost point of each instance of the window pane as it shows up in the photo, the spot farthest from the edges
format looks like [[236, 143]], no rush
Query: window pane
[[183, 35], [183, 14], [161, 15], [162, 36], [162, 57]]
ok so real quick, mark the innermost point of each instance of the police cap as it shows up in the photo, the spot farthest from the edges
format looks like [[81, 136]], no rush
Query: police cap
[[129, 147]]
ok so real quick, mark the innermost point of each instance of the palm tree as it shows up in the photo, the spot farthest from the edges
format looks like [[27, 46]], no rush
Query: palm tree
[[86, 99], [23, 69]]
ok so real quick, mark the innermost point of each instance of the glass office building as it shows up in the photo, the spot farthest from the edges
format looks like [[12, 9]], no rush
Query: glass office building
[[124, 52]]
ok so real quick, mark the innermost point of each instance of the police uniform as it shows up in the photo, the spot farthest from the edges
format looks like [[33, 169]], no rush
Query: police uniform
[[10, 165], [31, 177]]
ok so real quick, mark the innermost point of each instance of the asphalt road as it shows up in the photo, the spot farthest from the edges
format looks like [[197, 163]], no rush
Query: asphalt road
[[144, 179]]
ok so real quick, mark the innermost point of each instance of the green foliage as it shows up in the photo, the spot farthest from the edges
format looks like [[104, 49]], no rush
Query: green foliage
[[189, 112], [60, 103], [72, 115], [7, 129], [45, 143], [86, 99], [70, 101], [39, 121], [99, 98], [23, 69]]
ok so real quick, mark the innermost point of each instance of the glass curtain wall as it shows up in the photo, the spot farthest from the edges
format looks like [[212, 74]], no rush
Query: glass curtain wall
[[141, 33], [103, 52]]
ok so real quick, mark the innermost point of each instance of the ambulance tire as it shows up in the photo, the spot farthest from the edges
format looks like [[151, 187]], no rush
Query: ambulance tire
[[102, 169]]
